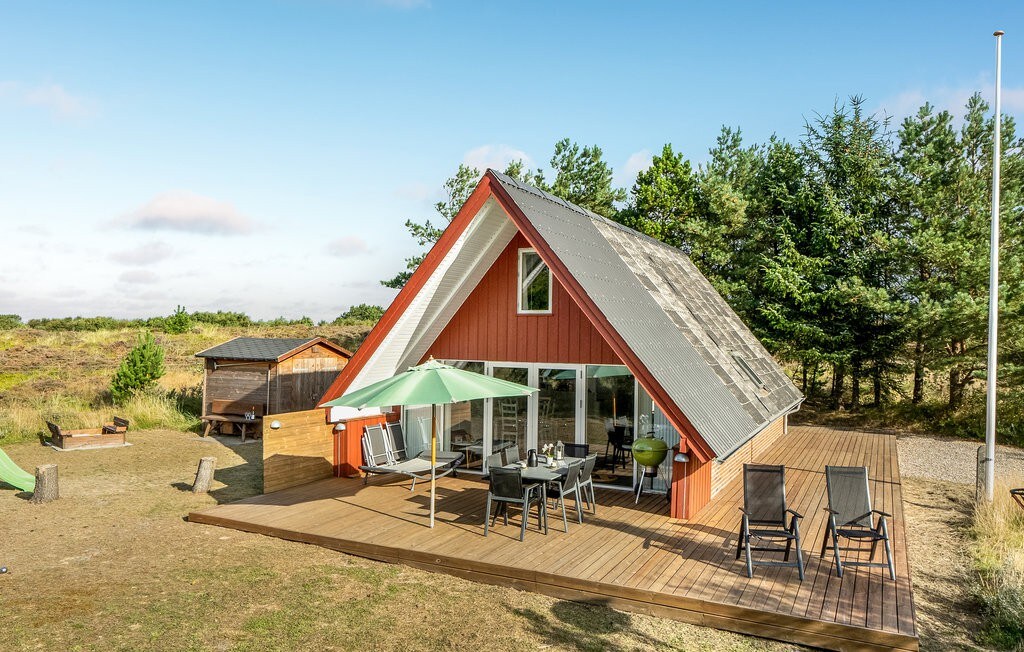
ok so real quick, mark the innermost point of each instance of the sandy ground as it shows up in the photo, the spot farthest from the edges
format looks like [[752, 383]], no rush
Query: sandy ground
[[945, 459], [113, 565]]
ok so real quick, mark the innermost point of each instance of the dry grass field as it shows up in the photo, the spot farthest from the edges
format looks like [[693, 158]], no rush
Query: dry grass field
[[64, 376]]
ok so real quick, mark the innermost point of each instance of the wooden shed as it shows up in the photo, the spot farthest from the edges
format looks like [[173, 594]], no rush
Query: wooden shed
[[272, 374]]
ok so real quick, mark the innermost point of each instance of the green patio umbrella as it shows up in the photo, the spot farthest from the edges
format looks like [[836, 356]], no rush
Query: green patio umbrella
[[433, 384]]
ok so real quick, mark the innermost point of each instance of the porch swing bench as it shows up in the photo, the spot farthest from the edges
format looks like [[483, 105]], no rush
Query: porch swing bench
[[384, 454]]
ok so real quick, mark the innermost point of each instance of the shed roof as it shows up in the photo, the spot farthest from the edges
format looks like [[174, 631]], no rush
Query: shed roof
[[267, 349]]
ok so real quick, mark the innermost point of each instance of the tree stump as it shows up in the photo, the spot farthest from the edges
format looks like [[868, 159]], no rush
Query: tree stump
[[46, 484], [204, 475]]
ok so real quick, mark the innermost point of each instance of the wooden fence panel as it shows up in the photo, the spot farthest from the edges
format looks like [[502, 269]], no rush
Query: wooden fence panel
[[299, 452]]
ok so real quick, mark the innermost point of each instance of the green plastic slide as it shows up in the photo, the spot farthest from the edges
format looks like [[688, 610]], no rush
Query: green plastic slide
[[12, 474]]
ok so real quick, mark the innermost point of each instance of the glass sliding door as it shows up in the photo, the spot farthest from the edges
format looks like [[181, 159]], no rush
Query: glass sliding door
[[611, 394], [556, 405], [650, 419], [510, 416], [464, 424]]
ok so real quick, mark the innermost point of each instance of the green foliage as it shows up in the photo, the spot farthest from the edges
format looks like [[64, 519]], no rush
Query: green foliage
[[139, 370], [10, 322], [362, 313], [81, 324], [663, 202], [284, 321], [179, 322], [584, 178], [223, 318]]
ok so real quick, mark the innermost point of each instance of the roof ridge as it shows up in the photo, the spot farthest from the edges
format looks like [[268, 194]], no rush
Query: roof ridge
[[543, 194]]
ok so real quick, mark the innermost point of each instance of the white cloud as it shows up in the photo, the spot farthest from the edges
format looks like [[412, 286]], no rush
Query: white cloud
[[138, 277], [145, 254], [349, 245], [53, 98], [495, 156], [625, 175], [33, 229], [182, 210], [949, 98]]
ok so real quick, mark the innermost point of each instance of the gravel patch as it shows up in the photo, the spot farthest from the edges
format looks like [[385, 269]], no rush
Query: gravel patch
[[953, 460]]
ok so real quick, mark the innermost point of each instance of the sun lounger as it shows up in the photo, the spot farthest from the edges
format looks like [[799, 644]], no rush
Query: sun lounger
[[381, 458], [397, 443]]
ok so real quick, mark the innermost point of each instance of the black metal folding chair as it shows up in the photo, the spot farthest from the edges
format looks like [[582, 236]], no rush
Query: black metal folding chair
[[586, 482], [566, 485], [494, 461], [764, 517], [850, 516], [511, 454], [507, 488], [1018, 496]]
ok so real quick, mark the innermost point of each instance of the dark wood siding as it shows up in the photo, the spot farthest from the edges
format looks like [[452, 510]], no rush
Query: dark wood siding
[[296, 383], [236, 382], [488, 327]]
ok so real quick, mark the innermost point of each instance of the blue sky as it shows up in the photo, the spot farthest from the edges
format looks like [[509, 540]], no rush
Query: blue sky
[[263, 156]]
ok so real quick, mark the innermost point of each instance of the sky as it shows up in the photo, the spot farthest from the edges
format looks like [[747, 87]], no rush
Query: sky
[[263, 156]]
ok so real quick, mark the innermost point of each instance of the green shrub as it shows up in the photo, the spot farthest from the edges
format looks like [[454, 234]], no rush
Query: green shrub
[[178, 323], [139, 370], [10, 322], [84, 324], [284, 321], [362, 313], [223, 318]]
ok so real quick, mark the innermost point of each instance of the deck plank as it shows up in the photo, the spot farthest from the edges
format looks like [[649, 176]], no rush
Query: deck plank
[[628, 556]]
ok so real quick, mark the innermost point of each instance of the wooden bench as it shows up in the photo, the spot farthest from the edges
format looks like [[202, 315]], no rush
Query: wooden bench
[[233, 413], [111, 434]]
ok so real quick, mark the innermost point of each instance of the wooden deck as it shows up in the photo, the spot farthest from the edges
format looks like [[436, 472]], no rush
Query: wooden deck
[[629, 557]]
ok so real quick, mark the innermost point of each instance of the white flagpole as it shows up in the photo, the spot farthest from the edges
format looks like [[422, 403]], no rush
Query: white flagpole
[[993, 288]]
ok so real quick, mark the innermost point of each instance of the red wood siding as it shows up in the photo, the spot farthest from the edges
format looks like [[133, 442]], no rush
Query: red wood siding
[[488, 326]]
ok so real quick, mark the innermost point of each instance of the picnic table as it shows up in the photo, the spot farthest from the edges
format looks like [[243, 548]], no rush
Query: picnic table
[[212, 419]]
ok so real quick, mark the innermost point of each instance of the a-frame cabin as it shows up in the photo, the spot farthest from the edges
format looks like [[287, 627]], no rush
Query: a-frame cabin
[[621, 334]]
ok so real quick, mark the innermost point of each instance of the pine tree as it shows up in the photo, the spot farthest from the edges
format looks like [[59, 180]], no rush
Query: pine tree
[[139, 370]]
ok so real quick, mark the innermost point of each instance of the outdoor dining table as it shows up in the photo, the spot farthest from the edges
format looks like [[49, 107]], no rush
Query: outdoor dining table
[[543, 474]]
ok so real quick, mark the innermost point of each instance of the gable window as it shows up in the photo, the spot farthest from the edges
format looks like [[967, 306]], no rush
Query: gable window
[[534, 283]]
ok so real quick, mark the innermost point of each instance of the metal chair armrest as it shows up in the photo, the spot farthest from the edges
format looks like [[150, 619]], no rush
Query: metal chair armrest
[[881, 513], [795, 513], [830, 510]]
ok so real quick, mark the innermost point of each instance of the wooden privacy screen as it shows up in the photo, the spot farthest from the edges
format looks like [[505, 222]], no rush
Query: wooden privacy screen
[[300, 451]]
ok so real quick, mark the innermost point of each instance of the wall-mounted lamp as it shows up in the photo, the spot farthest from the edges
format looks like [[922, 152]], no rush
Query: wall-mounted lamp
[[340, 426], [275, 425], [681, 457]]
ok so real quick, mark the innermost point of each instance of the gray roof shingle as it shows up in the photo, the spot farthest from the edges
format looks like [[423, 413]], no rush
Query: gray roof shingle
[[671, 317], [259, 349]]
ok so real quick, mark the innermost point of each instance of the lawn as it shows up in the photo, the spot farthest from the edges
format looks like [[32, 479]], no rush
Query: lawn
[[113, 565]]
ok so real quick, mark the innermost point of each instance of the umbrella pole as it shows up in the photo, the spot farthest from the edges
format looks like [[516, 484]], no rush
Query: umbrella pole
[[433, 458]]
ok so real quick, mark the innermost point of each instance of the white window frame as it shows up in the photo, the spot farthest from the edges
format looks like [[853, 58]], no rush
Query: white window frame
[[519, 285]]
